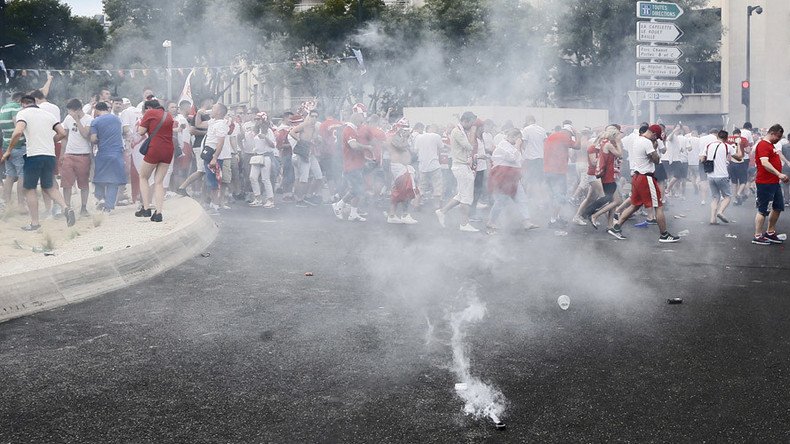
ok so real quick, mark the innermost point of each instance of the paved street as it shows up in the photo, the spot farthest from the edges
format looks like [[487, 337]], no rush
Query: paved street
[[241, 346]]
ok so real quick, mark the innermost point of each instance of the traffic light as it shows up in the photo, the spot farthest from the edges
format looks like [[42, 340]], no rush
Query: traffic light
[[745, 85]]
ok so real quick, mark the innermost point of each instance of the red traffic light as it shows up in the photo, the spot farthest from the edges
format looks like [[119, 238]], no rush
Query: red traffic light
[[746, 84]]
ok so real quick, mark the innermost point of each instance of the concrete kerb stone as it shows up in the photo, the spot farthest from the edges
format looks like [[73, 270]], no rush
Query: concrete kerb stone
[[34, 291]]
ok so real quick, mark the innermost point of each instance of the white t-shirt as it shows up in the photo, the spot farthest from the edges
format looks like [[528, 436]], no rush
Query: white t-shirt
[[693, 155], [129, 117], [39, 131], [488, 144], [183, 133], [721, 150], [683, 149], [704, 141], [428, 146], [640, 156], [216, 131], [51, 108], [534, 136], [747, 134], [76, 144], [506, 154], [259, 142]]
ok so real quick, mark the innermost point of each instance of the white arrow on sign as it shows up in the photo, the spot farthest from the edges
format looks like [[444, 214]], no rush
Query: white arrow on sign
[[658, 69], [657, 32], [658, 84], [662, 96], [658, 52]]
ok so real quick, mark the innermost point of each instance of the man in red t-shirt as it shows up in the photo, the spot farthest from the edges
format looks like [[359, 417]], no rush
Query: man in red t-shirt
[[769, 174], [353, 165], [555, 167]]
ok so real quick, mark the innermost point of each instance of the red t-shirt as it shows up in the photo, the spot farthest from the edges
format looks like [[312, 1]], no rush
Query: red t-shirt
[[555, 153], [370, 135], [606, 165], [352, 159], [765, 149], [592, 149], [164, 137]]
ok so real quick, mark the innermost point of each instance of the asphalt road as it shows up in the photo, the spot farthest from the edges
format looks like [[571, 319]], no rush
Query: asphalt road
[[241, 346]]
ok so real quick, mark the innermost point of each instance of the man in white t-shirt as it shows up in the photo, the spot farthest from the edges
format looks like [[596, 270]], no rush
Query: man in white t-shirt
[[645, 189], [719, 179], [428, 145], [704, 141], [75, 166], [41, 129], [534, 137], [216, 138]]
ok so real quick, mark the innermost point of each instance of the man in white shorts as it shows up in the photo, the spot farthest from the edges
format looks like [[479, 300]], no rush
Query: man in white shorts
[[461, 152]]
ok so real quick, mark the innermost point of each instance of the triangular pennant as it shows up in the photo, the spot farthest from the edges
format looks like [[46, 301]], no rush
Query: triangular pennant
[[108, 72], [97, 72]]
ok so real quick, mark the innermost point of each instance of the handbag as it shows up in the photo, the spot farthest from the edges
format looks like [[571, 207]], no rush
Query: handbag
[[708, 165], [302, 149], [147, 142]]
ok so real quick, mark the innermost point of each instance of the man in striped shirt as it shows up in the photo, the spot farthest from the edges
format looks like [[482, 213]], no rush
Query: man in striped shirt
[[15, 164]]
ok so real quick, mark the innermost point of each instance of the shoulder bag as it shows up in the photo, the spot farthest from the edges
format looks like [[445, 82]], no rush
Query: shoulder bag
[[708, 165]]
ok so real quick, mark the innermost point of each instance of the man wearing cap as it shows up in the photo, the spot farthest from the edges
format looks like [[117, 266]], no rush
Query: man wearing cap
[[645, 190], [41, 129], [555, 167], [461, 151]]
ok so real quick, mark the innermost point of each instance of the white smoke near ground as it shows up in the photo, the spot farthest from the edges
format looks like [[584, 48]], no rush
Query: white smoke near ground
[[480, 399]]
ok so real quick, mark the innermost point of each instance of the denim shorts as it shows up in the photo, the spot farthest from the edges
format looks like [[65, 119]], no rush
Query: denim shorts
[[39, 168], [211, 176], [769, 192], [719, 187], [15, 165]]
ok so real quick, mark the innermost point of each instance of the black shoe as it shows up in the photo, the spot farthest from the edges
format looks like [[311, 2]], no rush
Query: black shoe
[[668, 238], [301, 204], [651, 222], [182, 192], [143, 212], [156, 217], [71, 218]]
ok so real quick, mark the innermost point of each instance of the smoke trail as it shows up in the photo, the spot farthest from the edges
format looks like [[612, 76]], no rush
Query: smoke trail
[[481, 399]]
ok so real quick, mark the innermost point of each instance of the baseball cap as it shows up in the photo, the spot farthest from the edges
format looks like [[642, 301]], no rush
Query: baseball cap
[[655, 129]]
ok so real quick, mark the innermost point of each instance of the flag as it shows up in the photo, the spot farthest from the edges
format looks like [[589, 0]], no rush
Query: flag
[[5, 73], [186, 93], [358, 56]]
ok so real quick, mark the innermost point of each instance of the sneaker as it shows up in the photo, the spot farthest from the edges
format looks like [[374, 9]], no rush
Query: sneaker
[[579, 221], [468, 228], [408, 220], [143, 212], [225, 207], [651, 222], [268, 204], [616, 233], [356, 218], [394, 220], [182, 192], [592, 222], [337, 207], [123, 203], [757, 240], [667, 238], [71, 218], [84, 213], [31, 227], [255, 203], [301, 204], [642, 224], [288, 199], [156, 217], [100, 205], [440, 216], [772, 238]]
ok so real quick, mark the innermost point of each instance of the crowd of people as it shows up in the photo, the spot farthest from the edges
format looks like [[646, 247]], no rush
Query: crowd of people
[[229, 157]]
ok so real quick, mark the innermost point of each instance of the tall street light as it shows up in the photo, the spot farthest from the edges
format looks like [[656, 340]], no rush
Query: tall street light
[[746, 85], [168, 45]]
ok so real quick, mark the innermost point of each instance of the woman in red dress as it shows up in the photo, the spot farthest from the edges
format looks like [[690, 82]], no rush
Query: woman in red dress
[[157, 159]]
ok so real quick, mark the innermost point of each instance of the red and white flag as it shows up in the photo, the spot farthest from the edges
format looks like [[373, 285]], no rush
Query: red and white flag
[[186, 93]]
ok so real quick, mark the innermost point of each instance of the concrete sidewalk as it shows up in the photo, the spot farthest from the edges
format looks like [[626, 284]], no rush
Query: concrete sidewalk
[[122, 251]]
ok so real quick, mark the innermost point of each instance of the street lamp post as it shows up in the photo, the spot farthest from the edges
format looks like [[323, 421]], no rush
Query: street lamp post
[[749, 11], [168, 45]]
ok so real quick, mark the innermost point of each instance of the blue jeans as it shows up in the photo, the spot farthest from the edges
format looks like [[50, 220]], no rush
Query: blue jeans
[[108, 192]]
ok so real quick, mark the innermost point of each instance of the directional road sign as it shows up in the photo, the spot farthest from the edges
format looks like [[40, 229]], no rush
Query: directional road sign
[[658, 84], [658, 69], [658, 52], [658, 10], [657, 32], [662, 96]]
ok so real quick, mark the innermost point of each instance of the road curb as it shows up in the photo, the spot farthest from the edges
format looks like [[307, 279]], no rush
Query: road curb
[[34, 291]]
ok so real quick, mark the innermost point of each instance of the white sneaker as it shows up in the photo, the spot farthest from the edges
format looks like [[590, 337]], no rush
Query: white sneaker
[[394, 220], [354, 216], [468, 228], [337, 207], [440, 216], [256, 203], [408, 220], [579, 221]]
